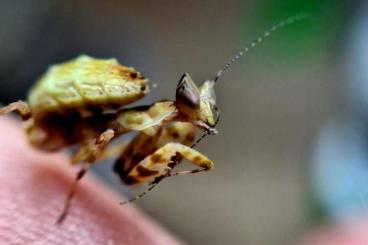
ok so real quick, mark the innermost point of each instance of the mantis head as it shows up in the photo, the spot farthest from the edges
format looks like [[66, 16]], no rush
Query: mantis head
[[197, 105]]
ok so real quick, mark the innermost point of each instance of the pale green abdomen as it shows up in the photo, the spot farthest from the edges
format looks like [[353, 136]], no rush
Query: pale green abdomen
[[85, 83]]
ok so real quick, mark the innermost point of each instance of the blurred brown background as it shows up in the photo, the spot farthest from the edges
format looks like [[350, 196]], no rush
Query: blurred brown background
[[272, 102]]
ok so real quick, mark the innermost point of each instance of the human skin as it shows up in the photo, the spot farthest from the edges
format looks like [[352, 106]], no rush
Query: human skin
[[32, 194], [354, 232]]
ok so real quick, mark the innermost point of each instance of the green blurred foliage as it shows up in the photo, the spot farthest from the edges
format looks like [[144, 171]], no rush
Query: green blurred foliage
[[305, 41]]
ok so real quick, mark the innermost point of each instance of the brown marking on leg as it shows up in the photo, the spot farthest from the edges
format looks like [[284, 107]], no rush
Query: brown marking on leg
[[122, 166], [189, 138], [197, 159], [137, 157], [147, 143], [155, 157], [129, 180], [93, 149], [175, 135], [139, 148], [145, 172], [206, 164]]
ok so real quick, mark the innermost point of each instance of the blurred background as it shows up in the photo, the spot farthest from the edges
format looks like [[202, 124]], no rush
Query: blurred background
[[291, 155]]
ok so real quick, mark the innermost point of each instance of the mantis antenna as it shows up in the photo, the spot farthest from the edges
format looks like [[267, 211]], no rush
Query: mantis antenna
[[261, 38]]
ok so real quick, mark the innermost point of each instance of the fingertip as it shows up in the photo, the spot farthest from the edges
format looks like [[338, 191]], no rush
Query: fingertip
[[34, 188]]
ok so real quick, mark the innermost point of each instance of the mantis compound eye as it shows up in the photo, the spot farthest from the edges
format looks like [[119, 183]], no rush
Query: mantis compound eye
[[188, 96]]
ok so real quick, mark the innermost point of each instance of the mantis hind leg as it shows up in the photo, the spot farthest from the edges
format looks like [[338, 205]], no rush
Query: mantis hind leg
[[87, 154], [21, 107], [71, 193]]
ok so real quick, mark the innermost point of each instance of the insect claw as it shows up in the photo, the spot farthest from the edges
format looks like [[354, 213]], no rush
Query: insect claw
[[212, 131]]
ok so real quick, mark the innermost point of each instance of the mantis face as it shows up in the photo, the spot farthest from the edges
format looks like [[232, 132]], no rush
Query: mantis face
[[197, 105]]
